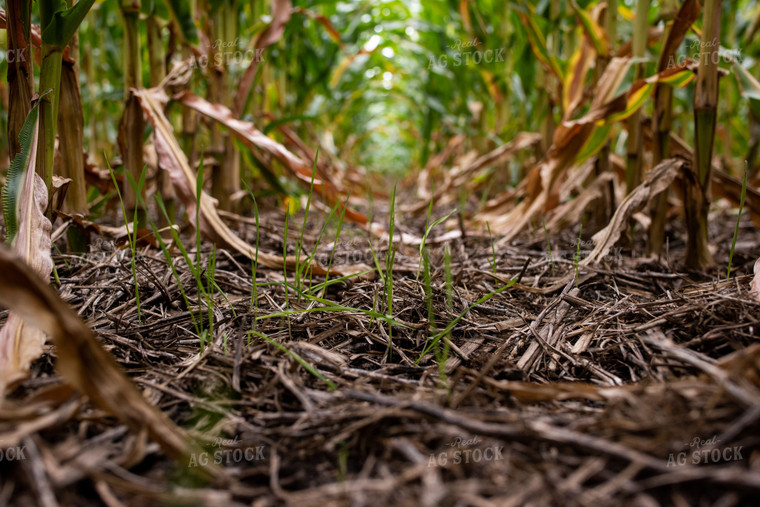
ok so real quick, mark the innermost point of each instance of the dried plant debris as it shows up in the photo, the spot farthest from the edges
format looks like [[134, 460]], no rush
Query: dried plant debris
[[24, 199], [81, 360], [624, 383], [754, 285]]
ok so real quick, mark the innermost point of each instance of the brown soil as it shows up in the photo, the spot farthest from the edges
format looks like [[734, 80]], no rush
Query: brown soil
[[636, 383]]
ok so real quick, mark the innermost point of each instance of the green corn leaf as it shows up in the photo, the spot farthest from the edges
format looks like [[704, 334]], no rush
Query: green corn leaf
[[155, 8], [595, 32], [595, 143], [749, 87], [64, 22], [182, 13], [538, 45]]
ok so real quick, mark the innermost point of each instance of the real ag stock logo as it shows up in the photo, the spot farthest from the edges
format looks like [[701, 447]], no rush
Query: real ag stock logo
[[465, 53], [228, 452], [466, 451], [16, 453], [13, 55], [706, 52], [228, 54], [703, 452]]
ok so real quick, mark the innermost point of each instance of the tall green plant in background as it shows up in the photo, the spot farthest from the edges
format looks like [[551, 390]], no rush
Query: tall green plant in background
[[223, 21], [132, 125], [71, 145], [662, 121], [58, 25], [635, 159]]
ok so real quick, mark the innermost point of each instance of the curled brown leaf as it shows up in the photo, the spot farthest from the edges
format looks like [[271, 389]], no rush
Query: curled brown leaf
[[172, 158], [82, 361]]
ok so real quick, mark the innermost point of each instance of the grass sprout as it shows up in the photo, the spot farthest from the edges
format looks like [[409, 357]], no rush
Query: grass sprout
[[738, 219]]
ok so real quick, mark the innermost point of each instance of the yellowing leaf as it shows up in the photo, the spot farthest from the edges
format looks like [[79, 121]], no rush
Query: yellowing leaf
[[641, 90], [340, 69], [595, 32], [493, 88], [635, 101], [291, 205], [626, 13], [464, 12], [595, 143], [678, 79], [538, 45], [574, 83]]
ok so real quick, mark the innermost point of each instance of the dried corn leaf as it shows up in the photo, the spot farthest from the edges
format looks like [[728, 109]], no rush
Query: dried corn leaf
[[81, 359], [571, 212], [754, 285], [255, 139], [658, 179], [183, 178], [575, 81], [459, 176], [25, 199], [723, 184], [281, 10], [687, 15], [571, 137]]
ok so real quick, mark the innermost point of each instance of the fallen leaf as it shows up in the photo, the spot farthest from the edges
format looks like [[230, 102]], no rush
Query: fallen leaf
[[25, 199], [81, 359], [281, 10], [459, 176], [253, 138], [172, 158], [657, 180], [754, 285]]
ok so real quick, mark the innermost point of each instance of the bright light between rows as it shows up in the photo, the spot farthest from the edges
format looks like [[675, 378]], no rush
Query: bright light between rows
[[372, 43]]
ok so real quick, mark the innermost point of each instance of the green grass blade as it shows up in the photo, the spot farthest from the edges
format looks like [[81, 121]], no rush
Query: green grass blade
[[434, 339], [738, 219]]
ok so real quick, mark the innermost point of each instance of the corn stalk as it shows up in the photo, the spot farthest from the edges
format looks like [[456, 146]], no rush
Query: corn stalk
[[20, 69], [226, 177], [58, 25], [705, 114], [605, 205], [132, 127], [50, 79], [662, 120], [635, 162], [157, 60], [71, 146]]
